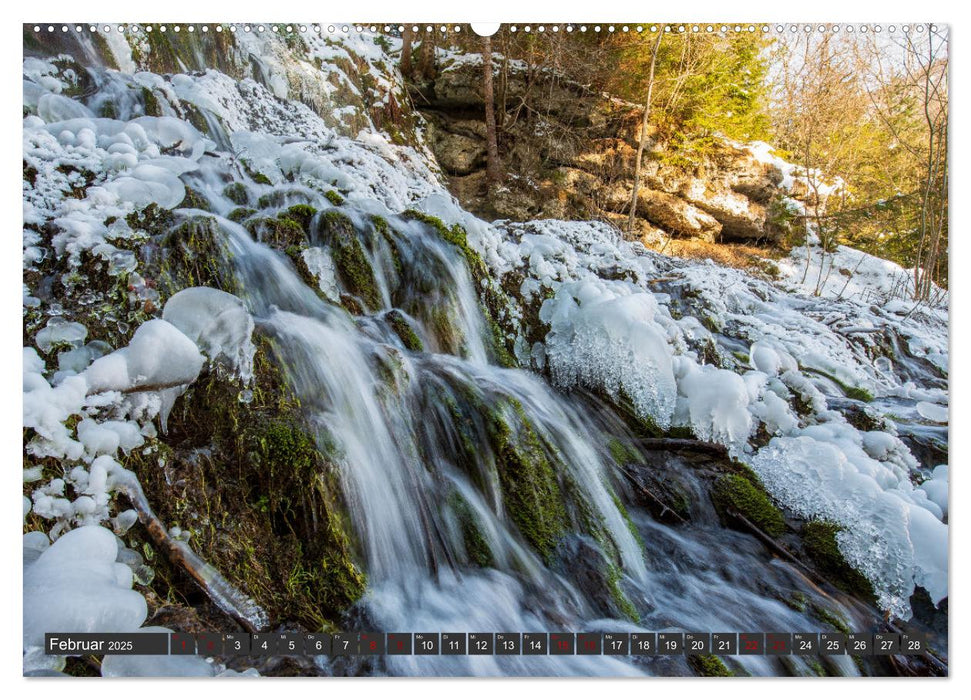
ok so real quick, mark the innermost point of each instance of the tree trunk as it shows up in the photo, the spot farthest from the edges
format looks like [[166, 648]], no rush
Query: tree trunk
[[426, 56], [493, 172], [405, 61], [643, 140]]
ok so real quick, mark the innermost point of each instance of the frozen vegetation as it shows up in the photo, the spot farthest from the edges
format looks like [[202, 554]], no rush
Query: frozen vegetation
[[761, 367]]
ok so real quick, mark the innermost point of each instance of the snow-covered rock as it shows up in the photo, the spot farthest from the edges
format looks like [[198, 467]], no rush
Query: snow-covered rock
[[218, 323], [76, 585], [159, 356]]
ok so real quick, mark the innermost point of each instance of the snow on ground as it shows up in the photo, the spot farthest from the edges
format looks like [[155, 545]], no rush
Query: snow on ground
[[847, 273]]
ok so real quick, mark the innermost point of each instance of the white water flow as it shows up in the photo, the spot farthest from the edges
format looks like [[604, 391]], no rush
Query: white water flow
[[394, 421], [417, 436]]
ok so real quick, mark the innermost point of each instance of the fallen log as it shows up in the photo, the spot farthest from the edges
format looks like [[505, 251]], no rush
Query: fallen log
[[682, 445], [225, 595]]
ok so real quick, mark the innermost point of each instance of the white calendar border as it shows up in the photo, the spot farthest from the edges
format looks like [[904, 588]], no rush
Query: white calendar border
[[509, 11]]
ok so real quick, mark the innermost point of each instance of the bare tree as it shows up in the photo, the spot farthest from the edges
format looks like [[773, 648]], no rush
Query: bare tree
[[931, 70], [493, 171], [643, 138]]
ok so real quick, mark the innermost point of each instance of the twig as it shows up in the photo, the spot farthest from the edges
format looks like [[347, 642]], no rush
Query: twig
[[227, 597]]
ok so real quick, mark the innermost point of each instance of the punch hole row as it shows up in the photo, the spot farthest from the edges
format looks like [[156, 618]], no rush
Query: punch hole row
[[513, 28]]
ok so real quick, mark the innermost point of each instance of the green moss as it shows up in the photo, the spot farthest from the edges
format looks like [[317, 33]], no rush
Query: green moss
[[350, 259], [742, 357], [254, 175], [382, 228], [194, 200], [858, 393], [476, 546], [399, 324], [150, 103], [260, 493], [196, 254], [709, 665], [380, 224], [622, 601], [831, 618], [816, 667], [279, 233], [493, 299], [734, 493], [237, 193], [622, 453], [109, 110], [302, 214], [819, 538], [240, 213], [334, 197], [531, 491], [627, 519], [279, 198], [797, 601], [153, 220]]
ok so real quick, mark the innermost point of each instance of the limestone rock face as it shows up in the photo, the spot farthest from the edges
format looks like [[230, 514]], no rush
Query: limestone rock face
[[458, 152], [677, 216], [574, 159], [739, 216]]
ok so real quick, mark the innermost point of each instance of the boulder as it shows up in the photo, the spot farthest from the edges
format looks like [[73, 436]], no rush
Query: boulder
[[677, 216], [458, 153], [740, 217]]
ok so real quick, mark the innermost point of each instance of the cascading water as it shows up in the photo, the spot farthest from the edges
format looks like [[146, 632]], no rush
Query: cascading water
[[481, 498], [407, 491]]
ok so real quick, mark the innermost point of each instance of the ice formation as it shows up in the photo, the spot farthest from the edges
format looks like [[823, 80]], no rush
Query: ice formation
[[76, 585], [218, 323], [605, 336]]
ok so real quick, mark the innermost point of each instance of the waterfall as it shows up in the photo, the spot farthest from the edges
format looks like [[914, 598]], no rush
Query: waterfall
[[481, 497]]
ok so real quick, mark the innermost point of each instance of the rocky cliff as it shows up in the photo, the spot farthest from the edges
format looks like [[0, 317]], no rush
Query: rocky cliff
[[569, 154]]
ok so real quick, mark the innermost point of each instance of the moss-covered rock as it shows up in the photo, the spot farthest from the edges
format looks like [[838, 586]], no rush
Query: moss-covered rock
[[530, 488], [284, 197], [153, 220], [260, 494], [150, 103], [302, 214], [399, 324], [240, 214], [735, 494], [709, 665], [237, 193], [476, 547], [194, 200], [819, 539], [276, 232], [334, 197], [832, 618], [196, 254], [255, 175], [622, 453], [618, 596], [493, 299], [350, 260]]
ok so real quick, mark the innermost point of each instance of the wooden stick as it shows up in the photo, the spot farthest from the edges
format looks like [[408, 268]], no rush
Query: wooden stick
[[227, 597]]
